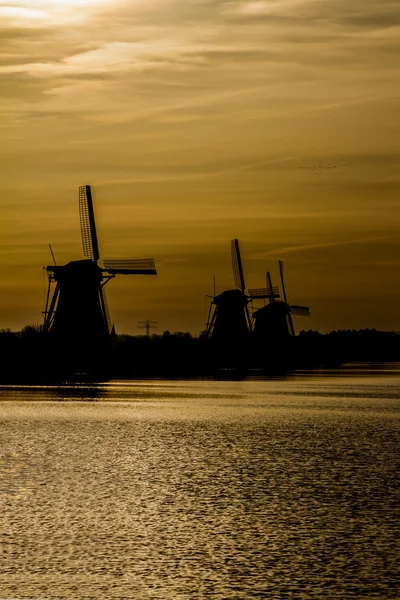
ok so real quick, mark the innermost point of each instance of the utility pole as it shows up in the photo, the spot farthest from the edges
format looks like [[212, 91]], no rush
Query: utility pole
[[147, 325]]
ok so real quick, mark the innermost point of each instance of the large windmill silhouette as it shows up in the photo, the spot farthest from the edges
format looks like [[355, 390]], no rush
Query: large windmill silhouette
[[76, 305]]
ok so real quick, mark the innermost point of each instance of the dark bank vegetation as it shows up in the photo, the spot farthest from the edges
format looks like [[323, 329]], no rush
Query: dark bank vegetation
[[29, 355]]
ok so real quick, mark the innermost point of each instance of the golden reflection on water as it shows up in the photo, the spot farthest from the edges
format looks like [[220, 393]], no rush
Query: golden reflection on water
[[201, 489]]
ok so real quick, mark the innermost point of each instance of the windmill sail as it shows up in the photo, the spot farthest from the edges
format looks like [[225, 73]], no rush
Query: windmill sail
[[106, 312], [300, 311], [237, 265], [133, 266], [50, 308], [270, 287], [289, 316], [282, 280], [88, 225], [266, 292]]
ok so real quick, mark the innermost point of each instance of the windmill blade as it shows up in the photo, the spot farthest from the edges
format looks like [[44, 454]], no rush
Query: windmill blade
[[88, 225], [300, 311], [282, 281], [132, 266], [289, 316], [52, 255], [208, 323], [262, 293], [270, 288], [249, 319], [106, 312], [237, 265], [211, 323], [50, 311]]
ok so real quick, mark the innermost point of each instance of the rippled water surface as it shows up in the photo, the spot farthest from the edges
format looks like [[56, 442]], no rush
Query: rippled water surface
[[221, 490]]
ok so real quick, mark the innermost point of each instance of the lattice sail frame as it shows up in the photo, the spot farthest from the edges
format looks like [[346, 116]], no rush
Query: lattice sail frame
[[300, 311], [88, 225], [130, 266], [264, 293]]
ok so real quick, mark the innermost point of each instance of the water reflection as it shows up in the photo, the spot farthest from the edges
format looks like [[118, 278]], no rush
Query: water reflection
[[75, 392], [220, 490]]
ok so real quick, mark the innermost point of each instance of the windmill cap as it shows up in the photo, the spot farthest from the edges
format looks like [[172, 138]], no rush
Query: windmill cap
[[231, 297]]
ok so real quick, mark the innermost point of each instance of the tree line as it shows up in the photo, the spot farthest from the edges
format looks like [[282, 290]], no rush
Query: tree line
[[29, 355]]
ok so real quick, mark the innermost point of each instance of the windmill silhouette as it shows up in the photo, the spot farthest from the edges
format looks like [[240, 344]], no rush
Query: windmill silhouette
[[274, 320], [229, 317], [78, 307]]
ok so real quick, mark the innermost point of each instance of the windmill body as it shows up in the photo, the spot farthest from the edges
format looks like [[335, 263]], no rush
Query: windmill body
[[271, 321], [230, 320], [76, 308], [79, 308]]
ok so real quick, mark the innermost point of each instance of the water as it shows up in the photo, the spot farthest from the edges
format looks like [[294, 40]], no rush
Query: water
[[189, 490]]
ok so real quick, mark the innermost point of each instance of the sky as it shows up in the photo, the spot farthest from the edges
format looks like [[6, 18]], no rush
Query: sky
[[195, 122]]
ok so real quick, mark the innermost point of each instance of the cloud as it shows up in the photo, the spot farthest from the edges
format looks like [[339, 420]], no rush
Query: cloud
[[30, 13], [20, 13], [359, 13], [257, 8], [305, 248]]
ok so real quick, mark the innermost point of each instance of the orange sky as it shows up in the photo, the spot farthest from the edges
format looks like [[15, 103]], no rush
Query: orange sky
[[191, 119]]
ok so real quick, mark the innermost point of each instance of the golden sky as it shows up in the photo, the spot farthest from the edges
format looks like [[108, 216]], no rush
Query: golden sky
[[192, 121]]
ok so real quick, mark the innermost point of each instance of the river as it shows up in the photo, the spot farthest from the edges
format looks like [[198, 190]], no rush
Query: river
[[176, 490]]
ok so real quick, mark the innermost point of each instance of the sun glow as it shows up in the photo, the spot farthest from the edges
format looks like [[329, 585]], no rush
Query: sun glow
[[21, 12], [33, 12], [66, 3]]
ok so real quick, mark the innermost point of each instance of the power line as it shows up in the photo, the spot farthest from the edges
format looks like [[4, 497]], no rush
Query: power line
[[147, 325]]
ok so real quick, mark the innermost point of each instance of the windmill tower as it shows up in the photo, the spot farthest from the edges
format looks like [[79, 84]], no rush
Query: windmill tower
[[76, 306], [274, 320], [229, 318]]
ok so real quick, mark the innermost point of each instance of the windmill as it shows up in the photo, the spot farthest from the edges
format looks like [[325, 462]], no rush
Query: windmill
[[274, 320], [229, 317], [78, 308]]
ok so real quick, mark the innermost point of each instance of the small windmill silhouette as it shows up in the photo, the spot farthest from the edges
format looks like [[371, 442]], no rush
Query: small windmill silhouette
[[274, 320]]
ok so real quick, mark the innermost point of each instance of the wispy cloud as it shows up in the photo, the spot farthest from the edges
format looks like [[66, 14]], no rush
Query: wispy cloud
[[307, 247], [256, 8], [31, 13]]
